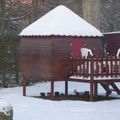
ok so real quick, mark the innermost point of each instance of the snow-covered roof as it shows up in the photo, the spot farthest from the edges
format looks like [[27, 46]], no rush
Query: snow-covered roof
[[60, 21], [115, 32]]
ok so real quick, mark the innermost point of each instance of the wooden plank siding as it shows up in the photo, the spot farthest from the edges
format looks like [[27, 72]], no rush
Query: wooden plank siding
[[95, 44], [35, 58], [113, 42], [48, 57], [61, 58]]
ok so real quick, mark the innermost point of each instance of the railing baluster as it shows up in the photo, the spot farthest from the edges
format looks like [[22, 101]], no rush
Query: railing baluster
[[107, 66], [87, 72], [97, 67], [116, 69], [101, 65], [111, 66], [84, 66], [118, 66]]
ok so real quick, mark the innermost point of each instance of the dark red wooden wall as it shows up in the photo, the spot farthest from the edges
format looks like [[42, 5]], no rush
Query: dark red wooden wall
[[35, 58], [113, 42], [95, 44], [48, 58]]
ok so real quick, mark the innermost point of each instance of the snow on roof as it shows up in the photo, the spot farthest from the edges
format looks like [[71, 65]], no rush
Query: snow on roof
[[115, 32], [60, 21]]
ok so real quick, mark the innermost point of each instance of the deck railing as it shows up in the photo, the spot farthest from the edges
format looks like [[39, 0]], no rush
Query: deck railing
[[97, 70], [108, 66]]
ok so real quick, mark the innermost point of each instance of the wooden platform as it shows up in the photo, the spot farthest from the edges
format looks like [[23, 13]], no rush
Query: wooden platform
[[94, 71]]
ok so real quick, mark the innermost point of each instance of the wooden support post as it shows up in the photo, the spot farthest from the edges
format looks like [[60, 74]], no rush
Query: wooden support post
[[107, 89], [24, 87], [52, 89], [95, 89], [66, 87], [91, 91]]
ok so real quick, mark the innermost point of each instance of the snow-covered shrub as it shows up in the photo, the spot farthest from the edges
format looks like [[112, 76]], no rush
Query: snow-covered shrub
[[6, 110]]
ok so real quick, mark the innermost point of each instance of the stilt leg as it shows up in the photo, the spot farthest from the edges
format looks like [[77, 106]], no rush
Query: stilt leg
[[107, 90], [66, 87], [91, 91], [52, 88], [24, 87], [95, 90]]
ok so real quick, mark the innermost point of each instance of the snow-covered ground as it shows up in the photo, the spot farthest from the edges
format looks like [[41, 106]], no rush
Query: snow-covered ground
[[28, 108]]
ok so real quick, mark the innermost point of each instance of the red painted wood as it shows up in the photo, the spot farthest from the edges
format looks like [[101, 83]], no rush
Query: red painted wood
[[48, 57], [113, 42], [87, 67], [24, 87], [101, 65], [52, 89], [77, 44], [116, 67], [111, 66], [97, 67], [107, 67], [102, 69]]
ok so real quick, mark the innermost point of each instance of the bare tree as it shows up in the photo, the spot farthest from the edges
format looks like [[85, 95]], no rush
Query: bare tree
[[91, 12], [2, 15], [13, 13], [41, 7], [110, 18]]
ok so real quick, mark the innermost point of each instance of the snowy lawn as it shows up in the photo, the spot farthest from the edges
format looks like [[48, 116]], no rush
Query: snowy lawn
[[28, 108]]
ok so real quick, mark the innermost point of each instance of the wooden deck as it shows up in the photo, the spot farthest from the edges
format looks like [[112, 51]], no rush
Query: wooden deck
[[94, 71], [97, 70]]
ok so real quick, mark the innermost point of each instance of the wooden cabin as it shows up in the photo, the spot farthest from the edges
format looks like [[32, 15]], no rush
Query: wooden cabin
[[48, 44], [111, 42]]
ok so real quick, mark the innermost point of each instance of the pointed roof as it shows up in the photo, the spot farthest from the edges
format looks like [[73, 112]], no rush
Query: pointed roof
[[60, 21]]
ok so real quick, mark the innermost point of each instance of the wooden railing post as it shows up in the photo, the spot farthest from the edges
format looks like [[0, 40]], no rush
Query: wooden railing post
[[91, 80], [97, 67]]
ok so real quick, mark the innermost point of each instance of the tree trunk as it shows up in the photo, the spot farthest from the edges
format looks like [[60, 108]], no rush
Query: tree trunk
[[91, 12], [35, 9], [2, 15]]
